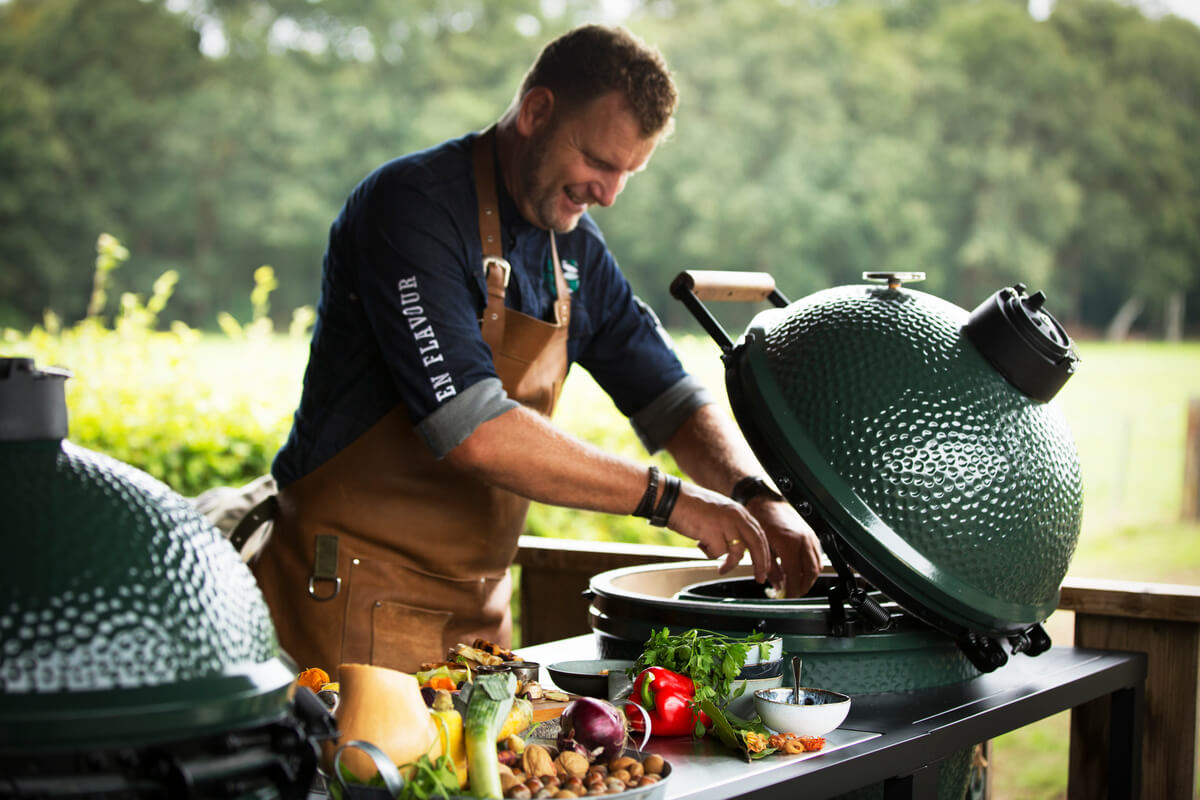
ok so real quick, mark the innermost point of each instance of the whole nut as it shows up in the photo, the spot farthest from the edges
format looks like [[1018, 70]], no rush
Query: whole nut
[[614, 784], [621, 763], [519, 792], [541, 794], [537, 761], [621, 774], [653, 764], [533, 784], [635, 770], [647, 780], [573, 764]]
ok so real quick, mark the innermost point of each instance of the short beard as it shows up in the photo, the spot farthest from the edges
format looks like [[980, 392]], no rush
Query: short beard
[[545, 205]]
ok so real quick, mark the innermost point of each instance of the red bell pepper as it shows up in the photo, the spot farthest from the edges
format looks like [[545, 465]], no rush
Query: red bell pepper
[[667, 698]]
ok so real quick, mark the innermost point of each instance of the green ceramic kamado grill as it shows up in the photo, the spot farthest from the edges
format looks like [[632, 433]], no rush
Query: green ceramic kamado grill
[[921, 444], [138, 657], [919, 441]]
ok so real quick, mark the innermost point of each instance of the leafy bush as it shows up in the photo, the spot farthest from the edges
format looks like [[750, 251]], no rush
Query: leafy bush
[[139, 393], [199, 410]]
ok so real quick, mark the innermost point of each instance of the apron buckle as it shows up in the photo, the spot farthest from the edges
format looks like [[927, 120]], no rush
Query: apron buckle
[[490, 261]]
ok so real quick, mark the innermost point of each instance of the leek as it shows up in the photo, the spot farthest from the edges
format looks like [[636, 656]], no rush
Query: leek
[[487, 708]]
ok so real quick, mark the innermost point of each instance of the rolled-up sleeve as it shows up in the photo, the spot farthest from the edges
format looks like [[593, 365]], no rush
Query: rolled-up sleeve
[[657, 423]]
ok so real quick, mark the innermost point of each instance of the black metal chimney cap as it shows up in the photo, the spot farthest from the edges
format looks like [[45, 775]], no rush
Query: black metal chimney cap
[[1025, 344], [33, 402]]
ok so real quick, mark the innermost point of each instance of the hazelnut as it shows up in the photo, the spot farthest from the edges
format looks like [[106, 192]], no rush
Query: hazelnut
[[653, 764], [621, 763]]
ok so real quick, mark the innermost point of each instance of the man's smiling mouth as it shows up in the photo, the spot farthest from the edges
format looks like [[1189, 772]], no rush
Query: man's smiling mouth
[[572, 197]]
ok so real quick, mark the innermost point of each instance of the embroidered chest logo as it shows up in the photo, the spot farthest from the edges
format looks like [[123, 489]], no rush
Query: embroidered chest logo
[[570, 268], [427, 343]]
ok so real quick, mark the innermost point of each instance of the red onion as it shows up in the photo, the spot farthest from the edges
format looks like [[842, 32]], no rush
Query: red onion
[[592, 727]]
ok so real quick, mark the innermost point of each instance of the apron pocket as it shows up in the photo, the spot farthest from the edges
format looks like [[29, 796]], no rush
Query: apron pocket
[[404, 637]]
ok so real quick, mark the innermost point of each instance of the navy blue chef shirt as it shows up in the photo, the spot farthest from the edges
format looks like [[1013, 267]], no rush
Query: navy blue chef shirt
[[402, 293]]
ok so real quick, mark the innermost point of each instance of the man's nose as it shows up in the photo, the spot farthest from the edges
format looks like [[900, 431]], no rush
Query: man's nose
[[605, 191]]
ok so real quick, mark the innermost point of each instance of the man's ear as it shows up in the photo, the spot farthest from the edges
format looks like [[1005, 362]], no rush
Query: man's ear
[[537, 108]]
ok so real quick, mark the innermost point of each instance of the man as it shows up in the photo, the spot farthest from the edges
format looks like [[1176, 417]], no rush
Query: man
[[458, 285]]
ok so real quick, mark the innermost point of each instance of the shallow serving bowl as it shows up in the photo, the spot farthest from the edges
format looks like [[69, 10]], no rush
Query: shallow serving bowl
[[589, 677], [817, 713]]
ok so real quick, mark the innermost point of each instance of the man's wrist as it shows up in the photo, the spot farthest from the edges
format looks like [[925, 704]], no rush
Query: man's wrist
[[750, 487]]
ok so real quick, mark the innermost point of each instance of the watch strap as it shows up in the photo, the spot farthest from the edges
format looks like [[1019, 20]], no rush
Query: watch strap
[[750, 487]]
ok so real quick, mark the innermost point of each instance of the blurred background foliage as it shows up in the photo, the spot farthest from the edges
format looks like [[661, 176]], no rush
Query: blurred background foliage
[[815, 140]]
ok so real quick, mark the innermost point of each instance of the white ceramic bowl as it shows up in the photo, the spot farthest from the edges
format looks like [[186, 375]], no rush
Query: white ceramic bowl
[[774, 651], [818, 712]]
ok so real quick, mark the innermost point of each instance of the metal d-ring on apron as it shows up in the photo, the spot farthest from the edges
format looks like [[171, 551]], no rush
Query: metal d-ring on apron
[[325, 562], [388, 556]]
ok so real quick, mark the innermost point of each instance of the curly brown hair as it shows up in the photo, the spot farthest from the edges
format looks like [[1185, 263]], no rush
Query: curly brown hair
[[592, 60]]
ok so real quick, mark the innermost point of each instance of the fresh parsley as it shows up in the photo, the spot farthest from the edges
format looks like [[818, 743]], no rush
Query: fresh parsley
[[712, 660]]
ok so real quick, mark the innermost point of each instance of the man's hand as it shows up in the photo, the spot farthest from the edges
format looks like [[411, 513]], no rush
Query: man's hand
[[792, 541], [723, 528]]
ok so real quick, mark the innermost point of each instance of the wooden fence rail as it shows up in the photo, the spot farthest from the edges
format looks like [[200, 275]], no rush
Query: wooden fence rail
[[1160, 620]]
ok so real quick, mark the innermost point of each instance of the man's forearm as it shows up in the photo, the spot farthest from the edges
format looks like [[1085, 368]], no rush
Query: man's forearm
[[523, 452], [710, 449]]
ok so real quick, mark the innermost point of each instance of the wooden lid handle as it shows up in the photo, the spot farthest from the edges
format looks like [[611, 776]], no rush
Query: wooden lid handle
[[724, 285]]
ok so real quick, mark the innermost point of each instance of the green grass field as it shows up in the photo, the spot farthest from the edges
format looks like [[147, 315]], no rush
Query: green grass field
[[1126, 407]]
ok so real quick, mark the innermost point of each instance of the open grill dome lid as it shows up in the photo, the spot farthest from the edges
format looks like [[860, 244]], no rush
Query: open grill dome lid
[[919, 441], [125, 618]]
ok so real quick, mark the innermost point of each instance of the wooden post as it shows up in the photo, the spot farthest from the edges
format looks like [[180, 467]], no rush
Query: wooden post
[[1191, 463], [1162, 621]]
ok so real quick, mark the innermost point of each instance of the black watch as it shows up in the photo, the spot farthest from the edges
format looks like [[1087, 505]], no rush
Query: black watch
[[750, 487]]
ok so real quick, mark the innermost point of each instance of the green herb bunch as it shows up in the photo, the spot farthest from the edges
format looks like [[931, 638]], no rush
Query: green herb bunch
[[712, 660]]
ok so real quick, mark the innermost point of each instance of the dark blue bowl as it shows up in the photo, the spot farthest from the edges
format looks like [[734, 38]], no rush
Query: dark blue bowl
[[764, 669]]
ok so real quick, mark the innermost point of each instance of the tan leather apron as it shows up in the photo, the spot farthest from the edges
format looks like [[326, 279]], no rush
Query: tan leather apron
[[422, 551]]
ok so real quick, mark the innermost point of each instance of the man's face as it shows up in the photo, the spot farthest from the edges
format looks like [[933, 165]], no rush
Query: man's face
[[578, 158]]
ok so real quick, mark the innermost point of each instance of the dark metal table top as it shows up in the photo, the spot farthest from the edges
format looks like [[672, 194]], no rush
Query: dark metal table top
[[890, 735]]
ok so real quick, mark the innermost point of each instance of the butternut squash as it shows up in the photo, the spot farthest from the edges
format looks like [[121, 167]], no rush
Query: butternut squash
[[384, 707]]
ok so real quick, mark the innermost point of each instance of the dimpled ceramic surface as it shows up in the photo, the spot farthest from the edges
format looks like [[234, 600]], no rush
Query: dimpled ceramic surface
[[118, 599], [934, 469], [119, 582]]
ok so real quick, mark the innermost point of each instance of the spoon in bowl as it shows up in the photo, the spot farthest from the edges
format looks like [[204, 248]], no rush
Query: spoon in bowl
[[796, 663]]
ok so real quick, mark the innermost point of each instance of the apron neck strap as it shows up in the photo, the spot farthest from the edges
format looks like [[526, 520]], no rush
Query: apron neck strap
[[496, 269]]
